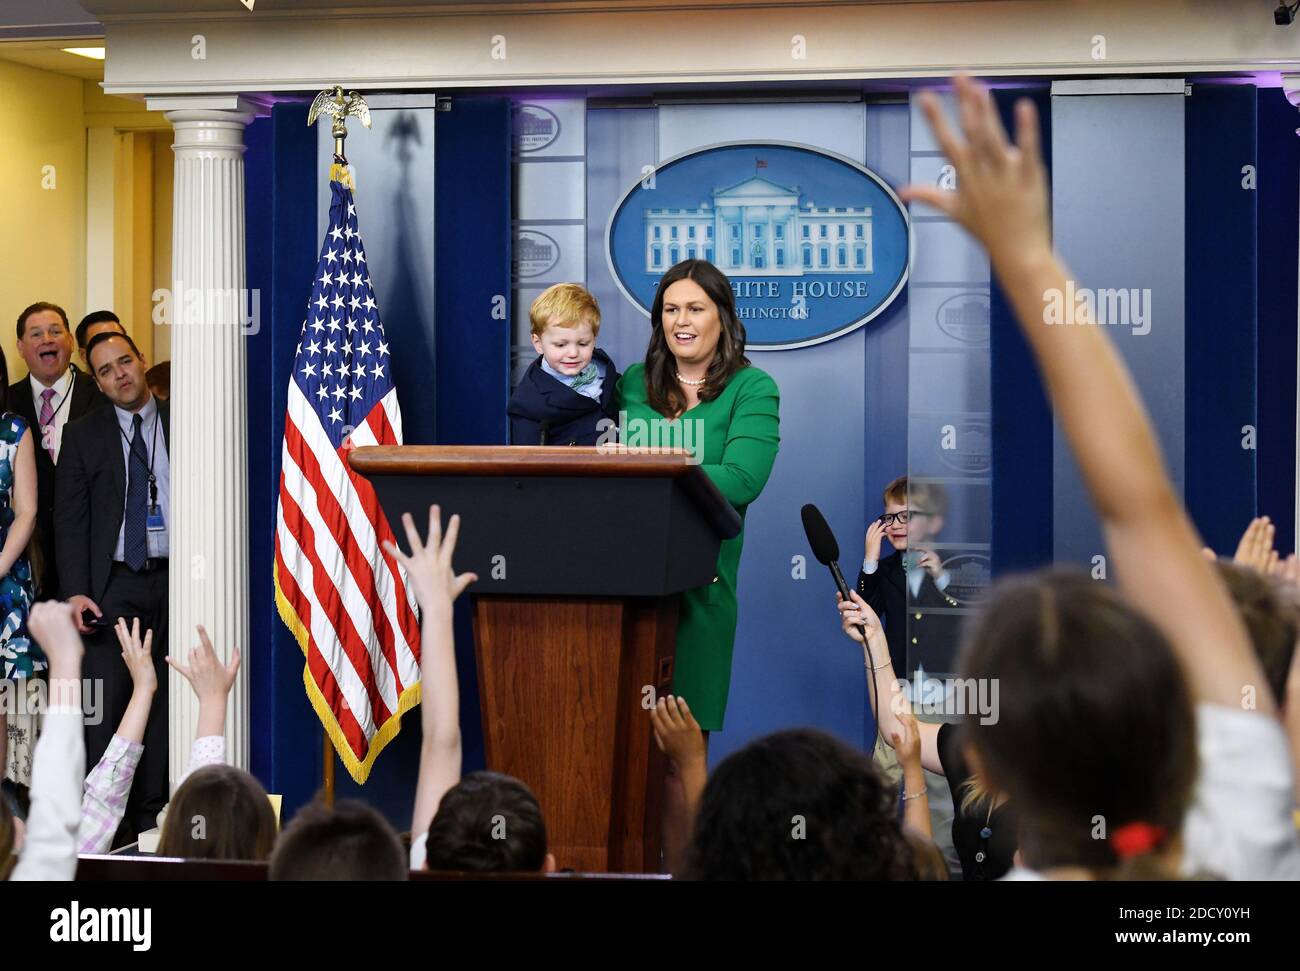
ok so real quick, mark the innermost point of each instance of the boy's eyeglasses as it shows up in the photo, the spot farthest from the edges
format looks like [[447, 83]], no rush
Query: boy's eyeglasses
[[901, 517]]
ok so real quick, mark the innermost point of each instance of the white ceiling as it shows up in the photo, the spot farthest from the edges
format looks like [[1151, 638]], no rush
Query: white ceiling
[[48, 56]]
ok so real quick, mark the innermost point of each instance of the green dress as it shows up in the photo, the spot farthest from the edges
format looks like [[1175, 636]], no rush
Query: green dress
[[740, 433]]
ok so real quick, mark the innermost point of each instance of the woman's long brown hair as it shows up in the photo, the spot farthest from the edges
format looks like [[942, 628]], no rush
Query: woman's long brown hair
[[662, 390]]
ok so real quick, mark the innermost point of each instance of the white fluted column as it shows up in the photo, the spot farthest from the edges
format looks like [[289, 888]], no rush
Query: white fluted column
[[209, 468]]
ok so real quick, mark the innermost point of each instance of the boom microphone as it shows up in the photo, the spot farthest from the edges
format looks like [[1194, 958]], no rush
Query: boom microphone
[[823, 544], [827, 551]]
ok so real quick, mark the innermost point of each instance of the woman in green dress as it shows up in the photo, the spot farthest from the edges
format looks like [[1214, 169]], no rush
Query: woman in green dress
[[695, 370]]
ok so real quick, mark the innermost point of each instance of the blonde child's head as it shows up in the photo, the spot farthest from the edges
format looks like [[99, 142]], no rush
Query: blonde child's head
[[565, 320]]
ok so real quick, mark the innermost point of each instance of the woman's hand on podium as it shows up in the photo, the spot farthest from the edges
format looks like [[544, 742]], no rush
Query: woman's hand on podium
[[428, 568]]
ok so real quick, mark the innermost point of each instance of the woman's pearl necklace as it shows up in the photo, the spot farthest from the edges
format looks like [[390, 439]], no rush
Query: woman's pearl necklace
[[693, 384]]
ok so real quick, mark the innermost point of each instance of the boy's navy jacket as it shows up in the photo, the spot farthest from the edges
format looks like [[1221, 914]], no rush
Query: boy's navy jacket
[[568, 418]]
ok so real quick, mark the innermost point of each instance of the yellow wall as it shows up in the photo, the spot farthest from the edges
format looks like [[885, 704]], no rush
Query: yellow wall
[[163, 189], [110, 206], [45, 227], [132, 210]]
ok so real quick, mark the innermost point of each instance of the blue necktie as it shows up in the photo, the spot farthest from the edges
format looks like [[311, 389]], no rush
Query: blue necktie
[[135, 545]]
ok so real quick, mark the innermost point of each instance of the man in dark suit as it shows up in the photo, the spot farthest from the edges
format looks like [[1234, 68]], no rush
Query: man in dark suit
[[112, 489], [92, 325], [53, 394]]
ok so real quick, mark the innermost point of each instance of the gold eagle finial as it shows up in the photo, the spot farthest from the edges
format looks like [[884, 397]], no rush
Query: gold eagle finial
[[339, 107]]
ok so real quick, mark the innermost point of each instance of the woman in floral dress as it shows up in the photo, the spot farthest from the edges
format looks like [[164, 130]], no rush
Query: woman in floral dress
[[20, 656]]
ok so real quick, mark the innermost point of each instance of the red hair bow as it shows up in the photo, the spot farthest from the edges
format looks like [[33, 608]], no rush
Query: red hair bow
[[1133, 839]]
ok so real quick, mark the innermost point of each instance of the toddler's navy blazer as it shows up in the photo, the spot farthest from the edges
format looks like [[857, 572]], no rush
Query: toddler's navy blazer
[[568, 418]]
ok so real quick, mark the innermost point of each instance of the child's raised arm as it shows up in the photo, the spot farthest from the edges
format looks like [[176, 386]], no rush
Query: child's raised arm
[[211, 681], [103, 799], [1002, 200], [59, 761], [679, 737], [892, 705], [436, 586]]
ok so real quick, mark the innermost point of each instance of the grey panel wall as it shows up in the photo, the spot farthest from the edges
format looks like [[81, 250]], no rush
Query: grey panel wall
[[1118, 202]]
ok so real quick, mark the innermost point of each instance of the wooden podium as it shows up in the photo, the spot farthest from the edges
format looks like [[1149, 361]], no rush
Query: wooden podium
[[580, 554]]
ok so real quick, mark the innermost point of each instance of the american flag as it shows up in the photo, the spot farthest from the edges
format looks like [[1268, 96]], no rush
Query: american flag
[[344, 598]]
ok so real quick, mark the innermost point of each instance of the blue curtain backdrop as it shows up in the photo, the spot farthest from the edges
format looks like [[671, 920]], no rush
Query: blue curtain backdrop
[[1279, 201], [1221, 346], [280, 226], [1022, 422]]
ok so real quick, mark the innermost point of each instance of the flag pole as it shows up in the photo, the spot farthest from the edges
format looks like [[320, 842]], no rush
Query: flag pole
[[327, 773], [339, 107]]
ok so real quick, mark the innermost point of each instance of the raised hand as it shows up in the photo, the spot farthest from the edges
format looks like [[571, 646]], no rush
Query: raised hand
[[1255, 548], [428, 568], [931, 563], [1001, 196], [1288, 573], [875, 534], [210, 679], [137, 655], [677, 733], [678, 736], [54, 625]]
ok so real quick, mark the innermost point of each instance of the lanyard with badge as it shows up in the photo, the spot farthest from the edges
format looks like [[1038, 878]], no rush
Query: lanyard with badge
[[154, 521]]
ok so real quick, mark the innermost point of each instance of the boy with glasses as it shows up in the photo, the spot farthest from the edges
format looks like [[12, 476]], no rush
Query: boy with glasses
[[912, 574]]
